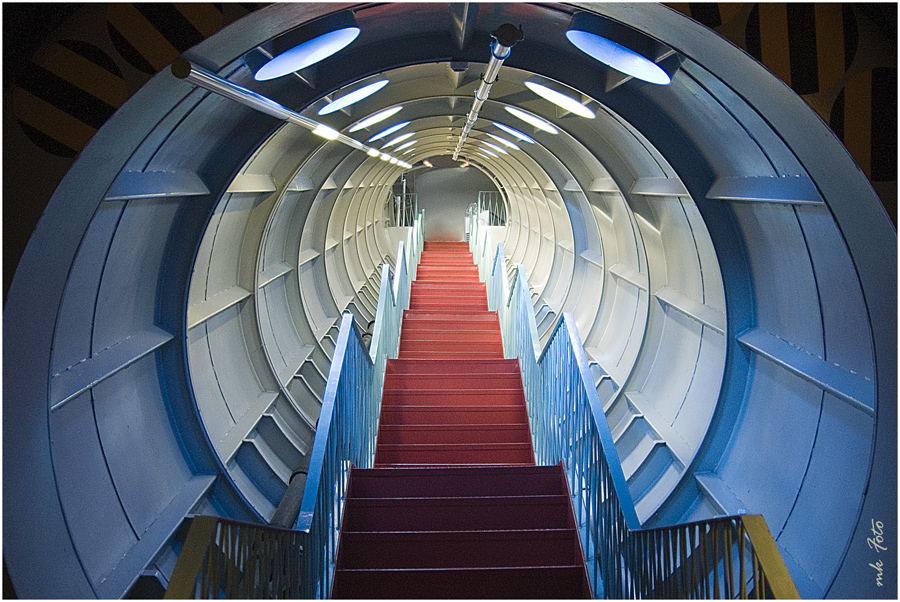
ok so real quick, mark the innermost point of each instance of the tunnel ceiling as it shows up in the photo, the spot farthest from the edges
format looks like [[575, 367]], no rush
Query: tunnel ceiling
[[714, 242]]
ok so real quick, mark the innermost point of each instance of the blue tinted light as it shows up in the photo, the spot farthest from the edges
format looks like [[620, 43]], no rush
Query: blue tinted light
[[306, 54], [515, 132], [388, 131], [353, 97], [618, 57]]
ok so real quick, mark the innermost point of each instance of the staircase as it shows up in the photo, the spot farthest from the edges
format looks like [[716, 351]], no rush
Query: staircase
[[455, 507]]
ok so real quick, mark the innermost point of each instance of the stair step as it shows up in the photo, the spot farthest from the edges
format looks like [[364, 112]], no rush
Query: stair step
[[449, 325], [468, 336], [457, 513], [435, 306], [458, 549], [457, 482], [495, 347], [453, 382], [398, 399], [431, 454], [560, 582], [427, 366], [449, 356], [453, 433], [465, 316], [472, 414]]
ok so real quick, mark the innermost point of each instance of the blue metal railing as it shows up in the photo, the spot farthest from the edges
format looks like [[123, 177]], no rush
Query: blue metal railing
[[348, 421], [731, 556]]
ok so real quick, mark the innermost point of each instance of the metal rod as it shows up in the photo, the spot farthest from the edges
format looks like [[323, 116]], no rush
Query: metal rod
[[505, 37], [184, 69]]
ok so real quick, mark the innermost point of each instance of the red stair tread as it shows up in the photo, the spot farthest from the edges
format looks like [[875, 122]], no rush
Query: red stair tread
[[510, 583]]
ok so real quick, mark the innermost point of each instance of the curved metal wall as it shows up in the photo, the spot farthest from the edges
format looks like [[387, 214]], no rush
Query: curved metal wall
[[173, 317]]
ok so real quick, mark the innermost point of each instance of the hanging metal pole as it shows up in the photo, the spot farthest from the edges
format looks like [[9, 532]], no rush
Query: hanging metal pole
[[505, 37], [184, 69]]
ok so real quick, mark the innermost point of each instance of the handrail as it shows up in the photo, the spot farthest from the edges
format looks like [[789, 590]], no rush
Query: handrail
[[237, 560], [348, 422], [233, 559], [732, 556]]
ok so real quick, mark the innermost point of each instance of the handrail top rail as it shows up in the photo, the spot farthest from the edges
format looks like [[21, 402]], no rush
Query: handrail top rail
[[626, 502], [348, 324]]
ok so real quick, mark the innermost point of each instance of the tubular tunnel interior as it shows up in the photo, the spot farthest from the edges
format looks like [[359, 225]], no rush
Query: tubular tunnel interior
[[731, 271]]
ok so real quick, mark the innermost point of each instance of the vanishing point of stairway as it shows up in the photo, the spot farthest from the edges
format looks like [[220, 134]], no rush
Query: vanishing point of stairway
[[455, 506]]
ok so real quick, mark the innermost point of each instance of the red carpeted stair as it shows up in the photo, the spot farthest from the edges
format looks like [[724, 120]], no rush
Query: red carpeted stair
[[455, 507]]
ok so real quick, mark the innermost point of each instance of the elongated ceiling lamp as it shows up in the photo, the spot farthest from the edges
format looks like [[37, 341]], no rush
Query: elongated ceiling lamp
[[353, 97], [296, 50], [619, 46]]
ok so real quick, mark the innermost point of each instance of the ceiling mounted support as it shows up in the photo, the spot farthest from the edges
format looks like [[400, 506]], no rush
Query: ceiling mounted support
[[505, 37]]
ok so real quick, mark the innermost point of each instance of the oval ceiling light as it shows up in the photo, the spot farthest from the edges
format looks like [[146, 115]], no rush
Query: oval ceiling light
[[561, 100], [504, 141], [353, 97], [308, 53], [376, 118], [406, 145], [494, 147], [491, 153], [618, 46], [388, 131], [399, 138], [514, 132], [532, 120]]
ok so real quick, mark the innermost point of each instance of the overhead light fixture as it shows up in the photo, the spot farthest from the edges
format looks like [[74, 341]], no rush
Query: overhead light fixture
[[326, 132], [532, 120], [385, 157], [504, 141], [515, 132], [486, 151], [494, 147], [300, 49], [400, 138], [406, 145], [618, 46], [373, 152], [353, 97], [561, 100], [376, 118], [427, 163], [388, 131], [393, 160], [464, 165]]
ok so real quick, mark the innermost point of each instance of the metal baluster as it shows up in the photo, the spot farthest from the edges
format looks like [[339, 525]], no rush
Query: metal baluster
[[741, 543], [729, 569]]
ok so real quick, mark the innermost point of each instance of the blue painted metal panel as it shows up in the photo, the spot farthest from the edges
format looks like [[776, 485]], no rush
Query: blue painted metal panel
[[72, 338], [852, 388], [772, 442], [234, 373], [143, 456], [848, 332], [91, 371], [787, 302], [160, 532], [832, 491], [127, 300], [145, 184], [214, 414], [94, 514], [795, 190]]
